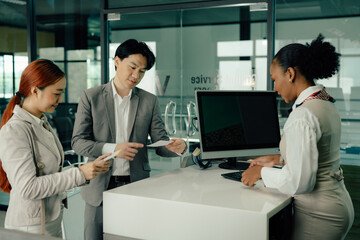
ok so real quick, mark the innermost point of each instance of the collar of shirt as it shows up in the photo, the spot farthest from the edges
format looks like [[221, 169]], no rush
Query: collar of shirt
[[306, 93], [41, 120], [116, 95]]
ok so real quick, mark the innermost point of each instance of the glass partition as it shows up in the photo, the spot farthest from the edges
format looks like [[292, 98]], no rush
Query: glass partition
[[212, 48], [13, 48], [345, 85], [7, 75], [68, 33]]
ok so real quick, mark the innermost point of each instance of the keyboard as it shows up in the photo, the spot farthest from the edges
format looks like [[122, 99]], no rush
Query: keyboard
[[233, 175]]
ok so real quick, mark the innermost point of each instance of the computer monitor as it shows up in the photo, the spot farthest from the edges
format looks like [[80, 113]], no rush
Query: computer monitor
[[235, 124], [66, 110]]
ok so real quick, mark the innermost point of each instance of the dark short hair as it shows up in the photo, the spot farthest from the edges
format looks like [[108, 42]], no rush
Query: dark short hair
[[132, 46]]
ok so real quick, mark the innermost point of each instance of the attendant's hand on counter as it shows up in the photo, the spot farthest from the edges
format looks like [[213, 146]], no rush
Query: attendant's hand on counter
[[265, 161], [94, 168], [128, 150], [177, 146], [251, 175]]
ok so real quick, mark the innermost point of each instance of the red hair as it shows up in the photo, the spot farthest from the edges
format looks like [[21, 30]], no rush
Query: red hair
[[39, 73]]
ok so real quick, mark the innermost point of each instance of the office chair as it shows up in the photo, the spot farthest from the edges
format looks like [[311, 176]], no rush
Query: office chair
[[64, 127]]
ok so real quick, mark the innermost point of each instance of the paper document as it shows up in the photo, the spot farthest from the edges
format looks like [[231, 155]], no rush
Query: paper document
[[112, 155], [160, 143]]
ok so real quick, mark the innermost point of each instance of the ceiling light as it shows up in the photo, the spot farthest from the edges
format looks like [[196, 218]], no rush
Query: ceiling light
[[19, 2], [259, 7]]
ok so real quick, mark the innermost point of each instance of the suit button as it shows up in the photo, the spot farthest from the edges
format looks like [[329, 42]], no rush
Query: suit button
[[40, 165]]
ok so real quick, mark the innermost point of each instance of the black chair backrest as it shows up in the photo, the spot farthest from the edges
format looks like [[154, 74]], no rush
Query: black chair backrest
[[64, 127]]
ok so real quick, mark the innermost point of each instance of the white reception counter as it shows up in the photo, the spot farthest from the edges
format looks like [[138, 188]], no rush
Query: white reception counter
[[191, 203]]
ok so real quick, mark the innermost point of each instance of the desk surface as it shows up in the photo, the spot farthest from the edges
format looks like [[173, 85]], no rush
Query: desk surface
[[189, 195], [205, 187]]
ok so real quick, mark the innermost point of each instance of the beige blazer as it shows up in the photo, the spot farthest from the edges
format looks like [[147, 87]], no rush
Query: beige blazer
[[27, 190], [95, 126]]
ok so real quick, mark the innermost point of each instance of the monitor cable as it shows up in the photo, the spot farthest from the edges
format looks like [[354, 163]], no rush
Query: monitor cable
[[194, 125], [197, 160]]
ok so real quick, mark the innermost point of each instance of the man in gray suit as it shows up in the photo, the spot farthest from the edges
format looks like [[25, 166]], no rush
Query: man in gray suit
[[119, 116]]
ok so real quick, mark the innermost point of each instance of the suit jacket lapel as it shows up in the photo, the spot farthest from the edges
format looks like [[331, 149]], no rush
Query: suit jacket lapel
[[40, 134], [43, 138], [109, 106], [59, 147], [134, 103]]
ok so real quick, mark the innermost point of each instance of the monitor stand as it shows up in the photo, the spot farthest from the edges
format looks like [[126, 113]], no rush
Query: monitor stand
[[233, 164]]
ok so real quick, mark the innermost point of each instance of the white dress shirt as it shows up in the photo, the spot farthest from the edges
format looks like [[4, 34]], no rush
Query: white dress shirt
[[302, 132], [121, 166]]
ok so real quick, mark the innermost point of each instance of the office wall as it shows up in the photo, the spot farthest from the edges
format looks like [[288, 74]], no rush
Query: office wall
[[343, 33], [15, 39], [191, 52]]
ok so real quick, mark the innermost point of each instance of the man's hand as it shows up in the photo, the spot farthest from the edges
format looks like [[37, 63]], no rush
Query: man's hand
[[128, 150], [178, 145]]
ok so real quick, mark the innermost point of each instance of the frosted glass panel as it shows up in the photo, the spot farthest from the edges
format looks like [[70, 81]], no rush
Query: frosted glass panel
[[197, 49], [234, 75], [235, 48]]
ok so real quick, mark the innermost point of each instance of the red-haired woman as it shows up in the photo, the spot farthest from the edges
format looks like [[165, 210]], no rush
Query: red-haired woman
[[25, 140]]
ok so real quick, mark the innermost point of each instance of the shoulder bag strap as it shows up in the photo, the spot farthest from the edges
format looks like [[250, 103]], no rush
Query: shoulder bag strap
[[39, 172]]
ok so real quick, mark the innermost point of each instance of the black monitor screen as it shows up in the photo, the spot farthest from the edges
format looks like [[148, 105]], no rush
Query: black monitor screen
[[235, 120], [66, 110]]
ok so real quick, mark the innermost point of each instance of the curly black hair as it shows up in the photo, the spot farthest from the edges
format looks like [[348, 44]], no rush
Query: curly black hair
[[316, 60]]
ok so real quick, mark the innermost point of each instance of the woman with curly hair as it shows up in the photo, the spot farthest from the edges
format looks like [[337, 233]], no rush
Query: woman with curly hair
[[310, 145]]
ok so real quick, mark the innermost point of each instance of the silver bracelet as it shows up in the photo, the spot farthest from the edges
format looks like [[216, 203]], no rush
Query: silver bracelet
[[281, 161]]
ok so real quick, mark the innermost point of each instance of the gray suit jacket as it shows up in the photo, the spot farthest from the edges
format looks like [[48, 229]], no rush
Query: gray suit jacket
[[95, 126], [17, 158]]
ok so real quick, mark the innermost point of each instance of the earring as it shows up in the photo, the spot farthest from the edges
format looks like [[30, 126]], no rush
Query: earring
[[289, 80]]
